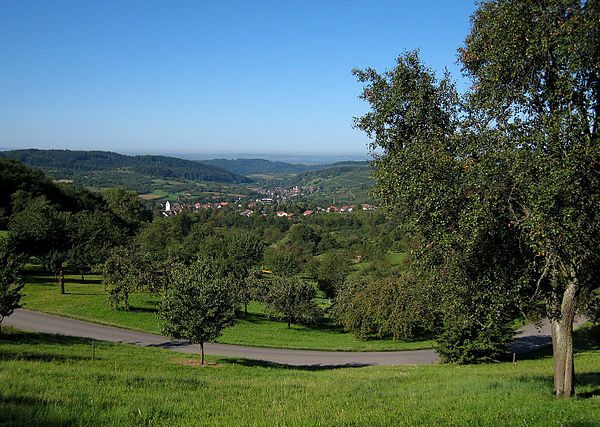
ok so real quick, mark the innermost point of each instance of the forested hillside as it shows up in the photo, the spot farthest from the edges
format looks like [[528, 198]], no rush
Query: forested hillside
[[260, 166], [65, 164]]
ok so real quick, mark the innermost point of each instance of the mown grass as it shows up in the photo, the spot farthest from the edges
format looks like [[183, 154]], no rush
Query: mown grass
[[51, 380], [87, 301]]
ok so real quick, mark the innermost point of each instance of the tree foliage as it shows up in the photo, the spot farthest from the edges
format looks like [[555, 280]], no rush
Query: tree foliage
[[10, 280], [126, 270], [292, 300], [197, 306], [399, 308], [503, 185], [332, 272]]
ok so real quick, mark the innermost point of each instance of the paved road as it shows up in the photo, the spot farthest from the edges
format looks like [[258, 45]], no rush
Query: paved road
[[40, 322]]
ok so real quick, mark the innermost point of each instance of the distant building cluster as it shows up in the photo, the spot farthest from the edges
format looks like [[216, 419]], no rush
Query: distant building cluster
[[171, 209], [285, 193]]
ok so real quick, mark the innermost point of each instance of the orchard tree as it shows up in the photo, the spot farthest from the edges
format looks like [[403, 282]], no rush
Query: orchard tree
[[292, 300], [39, 230], [197, 305], [10, 286], [332, 272], [502, 188], [127, 270], [444, 201], [536, 75], [126, 205], [400, 307]]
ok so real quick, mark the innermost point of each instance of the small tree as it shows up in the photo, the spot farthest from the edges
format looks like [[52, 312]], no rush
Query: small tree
[[197, 306], [126, 270], [292, 300], [285, 260], [10, 286], [332, 272]]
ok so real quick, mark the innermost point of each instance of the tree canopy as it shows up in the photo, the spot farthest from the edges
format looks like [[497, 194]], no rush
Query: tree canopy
[[500, 185]]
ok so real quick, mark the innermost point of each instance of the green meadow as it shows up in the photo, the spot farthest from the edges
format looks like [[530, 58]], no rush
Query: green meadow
[[86, 300], [52, 380]]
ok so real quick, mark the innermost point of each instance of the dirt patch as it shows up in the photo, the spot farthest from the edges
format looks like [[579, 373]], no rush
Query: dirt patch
[[149, 196], [194, 362], [64, 181]]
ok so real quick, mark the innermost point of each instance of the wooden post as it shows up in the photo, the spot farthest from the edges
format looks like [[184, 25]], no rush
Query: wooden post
[[514, 360]]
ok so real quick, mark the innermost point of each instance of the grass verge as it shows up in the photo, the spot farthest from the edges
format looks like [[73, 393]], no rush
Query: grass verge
[[51, 380]]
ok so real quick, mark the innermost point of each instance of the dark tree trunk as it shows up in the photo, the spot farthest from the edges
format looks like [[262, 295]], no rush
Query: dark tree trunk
[[562, 341], [61, 281], [245, 309], [202, 353], [289, 324]]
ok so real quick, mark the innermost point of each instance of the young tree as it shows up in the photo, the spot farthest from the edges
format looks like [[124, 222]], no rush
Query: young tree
[[126, 270], [332, 272], [10, 279], [292, 300], [197, 306], [285, 260]]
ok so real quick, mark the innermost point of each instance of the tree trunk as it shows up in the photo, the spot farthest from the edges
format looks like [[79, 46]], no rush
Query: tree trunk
[[289, 324], [245, 309], [61, 281], [562, 342], [202, 353]]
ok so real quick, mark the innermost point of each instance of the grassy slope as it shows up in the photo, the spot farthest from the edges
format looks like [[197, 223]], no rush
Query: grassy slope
[[50, 380], [87, 301]]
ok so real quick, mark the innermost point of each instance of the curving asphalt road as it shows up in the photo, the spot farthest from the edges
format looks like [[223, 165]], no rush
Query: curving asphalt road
[[529, 338]]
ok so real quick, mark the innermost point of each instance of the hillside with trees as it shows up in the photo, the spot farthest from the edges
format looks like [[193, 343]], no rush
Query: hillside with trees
[[67, 164], [260, 166]]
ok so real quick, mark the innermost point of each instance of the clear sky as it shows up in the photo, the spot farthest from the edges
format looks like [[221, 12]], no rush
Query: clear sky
[[206, 77]]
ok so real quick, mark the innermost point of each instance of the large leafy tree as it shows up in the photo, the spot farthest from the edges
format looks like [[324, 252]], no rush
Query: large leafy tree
[[197, 306], [502, 190], [536, 73], [424, 177]]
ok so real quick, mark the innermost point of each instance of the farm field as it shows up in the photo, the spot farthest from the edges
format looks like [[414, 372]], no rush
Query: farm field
[[87, 301], [51, 380]]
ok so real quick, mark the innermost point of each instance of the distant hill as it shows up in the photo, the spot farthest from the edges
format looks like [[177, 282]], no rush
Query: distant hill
[[260, 166], [64, 164], [348, 172]]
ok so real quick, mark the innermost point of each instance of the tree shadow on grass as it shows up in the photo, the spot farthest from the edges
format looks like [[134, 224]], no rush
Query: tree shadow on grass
[[16, 337], [32, 279], [143, 309], [23, 410], [264, 364], [588, 381]]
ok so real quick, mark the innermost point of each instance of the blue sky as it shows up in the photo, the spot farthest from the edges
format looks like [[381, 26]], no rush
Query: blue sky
[[206, 77]]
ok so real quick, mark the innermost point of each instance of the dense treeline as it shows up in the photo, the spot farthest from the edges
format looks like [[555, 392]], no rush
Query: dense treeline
[[155, 166], [60, 224], [260, 166]]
